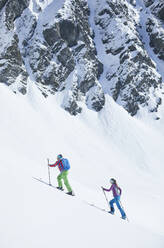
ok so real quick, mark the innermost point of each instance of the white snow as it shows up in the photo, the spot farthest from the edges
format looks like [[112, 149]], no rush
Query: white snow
[[99, 146]]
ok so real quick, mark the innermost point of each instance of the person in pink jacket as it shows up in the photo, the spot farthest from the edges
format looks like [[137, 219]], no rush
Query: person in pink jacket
[[116, 190]]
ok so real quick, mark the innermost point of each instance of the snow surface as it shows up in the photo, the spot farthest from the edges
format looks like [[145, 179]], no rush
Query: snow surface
[[99, 146]]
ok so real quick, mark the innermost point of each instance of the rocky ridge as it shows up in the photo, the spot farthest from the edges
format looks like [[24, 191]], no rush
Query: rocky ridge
[[54, 45], [133, 80]]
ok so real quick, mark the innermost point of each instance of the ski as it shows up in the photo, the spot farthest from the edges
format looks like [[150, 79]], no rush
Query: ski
[[48, 184], [99, 208], [102, 209]]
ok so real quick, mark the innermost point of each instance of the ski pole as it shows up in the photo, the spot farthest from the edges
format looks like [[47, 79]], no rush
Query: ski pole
[[105, 196], [49, 172]]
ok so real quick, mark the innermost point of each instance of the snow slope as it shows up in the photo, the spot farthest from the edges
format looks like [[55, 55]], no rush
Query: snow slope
[[99, 146]]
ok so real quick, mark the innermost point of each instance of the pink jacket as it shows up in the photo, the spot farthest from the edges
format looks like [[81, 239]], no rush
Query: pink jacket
[[115, 190]]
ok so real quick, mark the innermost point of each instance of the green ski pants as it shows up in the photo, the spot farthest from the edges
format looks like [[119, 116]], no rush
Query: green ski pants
[[63, 175]]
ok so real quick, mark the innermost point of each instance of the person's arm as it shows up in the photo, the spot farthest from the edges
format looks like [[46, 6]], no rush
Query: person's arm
[[108, 189], [53, 165]]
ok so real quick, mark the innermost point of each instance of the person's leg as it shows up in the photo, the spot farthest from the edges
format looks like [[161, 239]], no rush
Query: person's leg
[[65, 174], [111, 203], [117, 200], [59, 179]]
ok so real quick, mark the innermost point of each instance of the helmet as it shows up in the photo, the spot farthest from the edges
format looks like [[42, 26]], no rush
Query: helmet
[[112, 180], [59, 156]]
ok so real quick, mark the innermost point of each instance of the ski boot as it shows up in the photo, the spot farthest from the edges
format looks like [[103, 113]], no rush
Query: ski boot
[[123, 217], [60, 188], [111, 210], [70, 193]]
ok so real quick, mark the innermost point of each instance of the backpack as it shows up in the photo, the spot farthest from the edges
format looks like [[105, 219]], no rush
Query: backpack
[[118, 191], [66, 165]]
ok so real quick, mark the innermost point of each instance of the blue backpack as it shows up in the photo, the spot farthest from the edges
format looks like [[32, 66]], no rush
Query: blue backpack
[[66, 164]]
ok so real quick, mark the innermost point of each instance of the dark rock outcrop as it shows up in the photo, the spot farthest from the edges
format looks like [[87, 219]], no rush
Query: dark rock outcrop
[[14, 10], [51, 35], [2, 3], [156, 35], [12, 68], [157, 8], [161, 13], [69, 32], [148, 3]]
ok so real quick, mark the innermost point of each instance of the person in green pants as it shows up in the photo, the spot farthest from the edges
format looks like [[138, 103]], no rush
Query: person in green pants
[[63, 166]]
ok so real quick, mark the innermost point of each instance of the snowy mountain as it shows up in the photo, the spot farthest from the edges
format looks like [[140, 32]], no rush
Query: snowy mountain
[[85, 79], [85, 49]]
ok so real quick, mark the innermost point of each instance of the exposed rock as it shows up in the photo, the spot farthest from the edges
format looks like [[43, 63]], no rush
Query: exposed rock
[[2, 3], [95, 98], [73, 108], [69, 32], [65, 57], [100, 69], [161, 13], [72, 96], [133, 2], [148, 3], [134, 74], [156, 35], [157, 8], [51, 35], [14, 10], [67, 46], [57, 49], [13, 66]]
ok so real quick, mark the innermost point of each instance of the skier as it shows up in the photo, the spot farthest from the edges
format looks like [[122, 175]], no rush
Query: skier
[[63, 166], [117, 194]]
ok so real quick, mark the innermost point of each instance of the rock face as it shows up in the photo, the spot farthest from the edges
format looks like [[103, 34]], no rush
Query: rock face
[[13, 66], [64, 49], [134, 74], [2, 3], [54, 44], [14, 10], [156, 34], [157, 8], [12, 69], [69, 31], [155, 29]]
